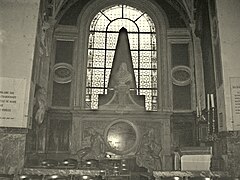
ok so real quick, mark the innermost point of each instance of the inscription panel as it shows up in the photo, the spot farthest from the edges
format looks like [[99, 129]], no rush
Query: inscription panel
[[12, 102], [235, 102]]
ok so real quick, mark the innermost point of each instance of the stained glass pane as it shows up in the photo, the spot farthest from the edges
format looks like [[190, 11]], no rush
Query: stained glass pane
[[154, 43], [117, 24], [109, 58], [94, 99], [148, 98], [145, 81], [98, 58], [145, 59], [150, 22], [98, 40], [134, 41], [91, 42], [114, 12], [143, 24], [112, 40], [135, 59], [154, 61], [154, 93], [99, 23], [131, 13], [145, 41], [154, 79], [98, 78], [94, 22], [89, 78]]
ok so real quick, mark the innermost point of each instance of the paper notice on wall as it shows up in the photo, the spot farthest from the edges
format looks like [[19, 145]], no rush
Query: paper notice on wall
[[12, 98], [235, 102]]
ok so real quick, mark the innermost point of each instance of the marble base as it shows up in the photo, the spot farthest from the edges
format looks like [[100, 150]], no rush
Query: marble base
[[188, 174], [12, 151], [62, 172]]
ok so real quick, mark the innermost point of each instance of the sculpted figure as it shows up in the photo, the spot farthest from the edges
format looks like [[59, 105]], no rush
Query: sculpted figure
[[148, 155], [44, 48], [41, 102], [124, 79], [123, 76], [96, 150]]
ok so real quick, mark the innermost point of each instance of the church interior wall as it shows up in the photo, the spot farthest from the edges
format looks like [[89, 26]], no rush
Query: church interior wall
[[28, 52]]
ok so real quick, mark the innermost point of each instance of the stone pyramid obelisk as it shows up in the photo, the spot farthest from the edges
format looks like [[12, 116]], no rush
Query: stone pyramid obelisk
[[121, 94], [122, 56]]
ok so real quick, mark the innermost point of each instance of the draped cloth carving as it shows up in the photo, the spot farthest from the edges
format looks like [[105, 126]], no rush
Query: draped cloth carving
[[148, 154], [96, 147]]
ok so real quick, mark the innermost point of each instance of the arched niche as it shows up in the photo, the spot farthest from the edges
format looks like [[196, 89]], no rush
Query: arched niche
[[161, 22]]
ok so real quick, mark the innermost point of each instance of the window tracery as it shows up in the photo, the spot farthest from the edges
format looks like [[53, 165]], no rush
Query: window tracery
[[103, 36]]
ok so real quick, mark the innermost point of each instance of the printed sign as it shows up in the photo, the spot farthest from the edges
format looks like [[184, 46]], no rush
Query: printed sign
[[12, 95], [235, 100]]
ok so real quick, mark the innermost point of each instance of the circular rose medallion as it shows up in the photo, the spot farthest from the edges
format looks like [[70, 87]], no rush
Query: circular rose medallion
[[181, 75], [62, 73]]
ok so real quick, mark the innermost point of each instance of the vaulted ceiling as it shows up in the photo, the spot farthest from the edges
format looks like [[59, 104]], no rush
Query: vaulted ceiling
[[184, 7]]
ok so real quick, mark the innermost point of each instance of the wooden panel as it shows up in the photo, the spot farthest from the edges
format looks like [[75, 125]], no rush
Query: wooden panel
[[183, 130], [58, 132]]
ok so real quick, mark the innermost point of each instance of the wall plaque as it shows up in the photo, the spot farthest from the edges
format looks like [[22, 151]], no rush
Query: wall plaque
[[12, 97], [235, 102]]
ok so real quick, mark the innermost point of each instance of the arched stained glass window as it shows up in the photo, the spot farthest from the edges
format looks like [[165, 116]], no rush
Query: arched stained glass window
[[104, 30]]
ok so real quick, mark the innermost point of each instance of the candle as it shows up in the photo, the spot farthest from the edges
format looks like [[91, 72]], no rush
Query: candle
[[212, 100], [197, 111], [208, 102], [200, 107]]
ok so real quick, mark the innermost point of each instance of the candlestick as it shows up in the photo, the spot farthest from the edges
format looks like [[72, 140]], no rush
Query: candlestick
[[208, 122], [212, 101], [213, 121]]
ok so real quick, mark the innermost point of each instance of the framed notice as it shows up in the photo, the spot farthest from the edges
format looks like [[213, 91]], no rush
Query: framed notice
[[235, 102], [12, 102]]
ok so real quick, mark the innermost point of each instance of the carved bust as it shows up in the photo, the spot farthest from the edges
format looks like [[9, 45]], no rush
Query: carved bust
[[123, 76]]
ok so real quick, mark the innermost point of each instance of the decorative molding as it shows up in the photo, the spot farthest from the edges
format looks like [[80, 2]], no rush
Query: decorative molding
[[66, 30], [178, 76], [62, 73], [13, 130], [133, 115], [178, 33]]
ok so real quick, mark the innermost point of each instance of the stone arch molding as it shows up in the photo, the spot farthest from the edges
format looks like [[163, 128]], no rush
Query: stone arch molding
[[158, 16]]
